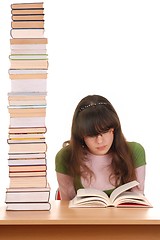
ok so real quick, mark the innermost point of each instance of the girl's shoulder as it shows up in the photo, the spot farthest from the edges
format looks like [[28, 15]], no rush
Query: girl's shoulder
[[138, 153], [135, 145], [64, 151], [62, 159], [63, 154]]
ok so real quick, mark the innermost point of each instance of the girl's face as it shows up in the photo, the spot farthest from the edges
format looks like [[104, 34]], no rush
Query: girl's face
[[100, 144]]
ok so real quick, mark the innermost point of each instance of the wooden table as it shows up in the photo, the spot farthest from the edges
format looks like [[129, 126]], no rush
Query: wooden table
[[62, 223]]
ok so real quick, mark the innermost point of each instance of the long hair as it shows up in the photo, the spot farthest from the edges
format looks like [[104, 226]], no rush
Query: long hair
[[95, 115]]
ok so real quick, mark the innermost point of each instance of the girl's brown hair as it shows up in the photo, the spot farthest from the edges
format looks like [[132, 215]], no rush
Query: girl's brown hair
[[95, 115]]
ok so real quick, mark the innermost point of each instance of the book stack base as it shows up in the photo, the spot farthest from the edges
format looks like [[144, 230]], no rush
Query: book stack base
[[27, 162]]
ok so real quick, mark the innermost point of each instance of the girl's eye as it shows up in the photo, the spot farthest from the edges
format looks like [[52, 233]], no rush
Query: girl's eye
[[104, 132]]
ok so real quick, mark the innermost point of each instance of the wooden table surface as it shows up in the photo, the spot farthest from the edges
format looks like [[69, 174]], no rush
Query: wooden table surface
[[87, 223]]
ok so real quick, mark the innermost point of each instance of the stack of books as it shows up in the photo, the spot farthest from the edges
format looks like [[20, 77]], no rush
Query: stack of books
[[28, 188]]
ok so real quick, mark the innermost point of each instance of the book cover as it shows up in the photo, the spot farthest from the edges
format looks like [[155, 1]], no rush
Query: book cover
[[33, 181], [24, 33], [33, 5], [25, 140], [22, 113], [30, 102], [28, 76], [29, 85], [26, 122], [21, 136], [28, 56], [28, 168], [29, 64], [27, 147], [28, 41], [27, 71], [28, 206], [27, 24], [26, 161], [31, 17], [28, 155], [27, 130], [28, 50], [20, 100], [27, 195]]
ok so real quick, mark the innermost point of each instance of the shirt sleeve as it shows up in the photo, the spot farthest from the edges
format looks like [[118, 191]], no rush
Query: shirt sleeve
[[138, 153], [61, 160], [140, 174]]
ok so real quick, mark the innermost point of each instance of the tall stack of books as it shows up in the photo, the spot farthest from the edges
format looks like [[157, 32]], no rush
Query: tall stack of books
[[28, 188]]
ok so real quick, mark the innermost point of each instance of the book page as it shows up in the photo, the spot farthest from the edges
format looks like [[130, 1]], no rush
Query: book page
[[132, 198], [123, 188], [88, 203], [91, 201], [91, 192]]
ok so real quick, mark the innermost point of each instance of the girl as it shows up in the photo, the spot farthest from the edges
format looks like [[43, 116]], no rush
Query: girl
[[98, 155]]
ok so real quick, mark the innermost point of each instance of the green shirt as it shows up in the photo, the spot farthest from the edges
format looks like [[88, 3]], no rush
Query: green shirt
[[64, 154]]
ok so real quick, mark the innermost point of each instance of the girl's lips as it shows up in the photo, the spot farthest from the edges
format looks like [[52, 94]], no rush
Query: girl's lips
[[101, 148]]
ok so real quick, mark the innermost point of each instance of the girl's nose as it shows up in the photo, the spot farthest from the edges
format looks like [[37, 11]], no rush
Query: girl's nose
[[99, 138]]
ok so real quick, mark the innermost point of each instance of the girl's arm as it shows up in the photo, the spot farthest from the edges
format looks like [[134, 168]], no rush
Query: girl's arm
[[66, 186], [140, 173]]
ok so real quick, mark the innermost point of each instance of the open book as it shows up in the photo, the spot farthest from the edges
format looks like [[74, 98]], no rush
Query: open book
[[120, 197]]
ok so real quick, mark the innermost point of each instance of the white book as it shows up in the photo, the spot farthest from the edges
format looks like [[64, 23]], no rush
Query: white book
[[28, 56], [28, 51], [120, 197], [28, 206], [27, 195], [38, 147], [27, 33], [27, 122], [27, 71], [27, 156], [28, 46], [26, 162], [27, 102], [29, 85], [27, 93], [27, 106]]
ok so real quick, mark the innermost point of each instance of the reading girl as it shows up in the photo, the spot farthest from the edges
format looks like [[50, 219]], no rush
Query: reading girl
[[97, 154]]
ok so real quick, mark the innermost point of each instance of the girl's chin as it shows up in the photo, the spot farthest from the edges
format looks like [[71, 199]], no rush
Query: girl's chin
[[101, 151]]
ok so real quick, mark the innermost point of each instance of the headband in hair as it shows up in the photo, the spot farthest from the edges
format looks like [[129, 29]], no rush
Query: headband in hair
[[92, 105]]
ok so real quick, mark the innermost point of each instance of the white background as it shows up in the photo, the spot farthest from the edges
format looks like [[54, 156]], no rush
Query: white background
[[111, 48]]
